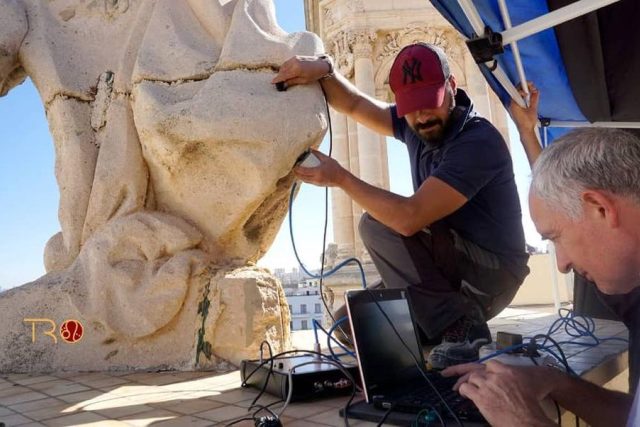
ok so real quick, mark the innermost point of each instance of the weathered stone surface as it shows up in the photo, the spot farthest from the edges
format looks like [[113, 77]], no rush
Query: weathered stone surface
[[173, 159], [224, 316]]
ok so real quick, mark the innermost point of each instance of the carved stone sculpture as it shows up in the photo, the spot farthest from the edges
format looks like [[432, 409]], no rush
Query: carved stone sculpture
[[173, 160]]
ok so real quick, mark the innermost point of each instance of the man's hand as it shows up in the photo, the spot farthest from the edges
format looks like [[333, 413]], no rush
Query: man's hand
[[301, 70], [526, 119], [505, 395], [327, 174]]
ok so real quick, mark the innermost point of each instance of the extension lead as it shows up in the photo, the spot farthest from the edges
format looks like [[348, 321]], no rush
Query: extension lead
[[575, 326]]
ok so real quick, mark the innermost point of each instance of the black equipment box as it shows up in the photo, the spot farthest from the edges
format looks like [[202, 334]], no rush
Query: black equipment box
[[311, 377]]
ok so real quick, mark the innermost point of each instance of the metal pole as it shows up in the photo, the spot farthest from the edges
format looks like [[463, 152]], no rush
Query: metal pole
[[472, 15], [504, 11], [478, 27], [552, 19], [571, 124]]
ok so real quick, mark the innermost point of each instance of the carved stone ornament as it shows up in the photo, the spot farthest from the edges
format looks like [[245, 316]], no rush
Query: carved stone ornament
[[174, 171], [328, 17], [394, 41], [356, 5], [363, 43], [340, 47], [346, 46]]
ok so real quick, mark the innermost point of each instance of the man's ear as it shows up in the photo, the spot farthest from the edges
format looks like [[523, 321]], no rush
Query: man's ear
[[598, 205], [453, 83]]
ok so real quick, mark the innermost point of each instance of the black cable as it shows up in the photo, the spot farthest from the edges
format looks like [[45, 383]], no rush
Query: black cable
[[266, 380], [565, 362], [326, 213], [558, 412], [385, 416], [426, 411], [328, 358], [324, 235], [415, 360], [239, 421], [264, 408], [442, 423], [329, 338]]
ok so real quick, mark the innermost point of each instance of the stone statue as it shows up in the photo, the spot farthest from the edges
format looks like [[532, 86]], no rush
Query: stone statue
[[173, 160]]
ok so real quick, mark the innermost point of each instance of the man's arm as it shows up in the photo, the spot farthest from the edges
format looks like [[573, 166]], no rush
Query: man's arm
[[526, 120], [434, 200], [341, 94], [596, 405], [506, 394], [13, 29]]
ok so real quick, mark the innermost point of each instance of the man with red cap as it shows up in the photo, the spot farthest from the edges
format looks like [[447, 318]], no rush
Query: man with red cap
[[457, 244]]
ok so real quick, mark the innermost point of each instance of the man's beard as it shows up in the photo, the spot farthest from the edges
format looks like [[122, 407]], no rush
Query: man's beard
[[437, 129], [439, 126]]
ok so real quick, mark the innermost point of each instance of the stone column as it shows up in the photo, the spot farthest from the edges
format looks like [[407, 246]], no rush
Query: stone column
[[371, 149], [354, 164], [484, 100], [476, 86], [343, 231], [381, 94]]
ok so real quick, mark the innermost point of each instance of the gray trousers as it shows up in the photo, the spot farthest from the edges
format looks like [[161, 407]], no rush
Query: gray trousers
[[447, 277]]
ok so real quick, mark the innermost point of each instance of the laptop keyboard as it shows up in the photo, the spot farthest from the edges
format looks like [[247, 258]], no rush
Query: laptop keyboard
[[426, 398]]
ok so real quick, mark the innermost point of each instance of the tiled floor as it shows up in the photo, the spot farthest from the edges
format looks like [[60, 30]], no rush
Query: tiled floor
[[204, 398]]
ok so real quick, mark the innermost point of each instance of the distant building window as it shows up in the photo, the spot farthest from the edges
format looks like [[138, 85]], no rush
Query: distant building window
[[290, 309], [318, 308], [303, 310], [303, 324], [291, 326]]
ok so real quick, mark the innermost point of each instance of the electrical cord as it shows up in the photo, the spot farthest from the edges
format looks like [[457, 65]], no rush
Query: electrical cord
[[575, 326], [532, 346], [558, 412], [426, 412], [385, 416], [266, 380], [330, 337], [324, 234], [328, 360], [331, 362]]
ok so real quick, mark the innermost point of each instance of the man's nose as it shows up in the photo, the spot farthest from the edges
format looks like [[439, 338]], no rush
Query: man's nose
[[563, 262], [423, 116]]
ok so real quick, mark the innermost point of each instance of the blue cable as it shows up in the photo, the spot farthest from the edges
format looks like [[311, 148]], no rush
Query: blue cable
[[575, 326], [330, 337], [295, 250]]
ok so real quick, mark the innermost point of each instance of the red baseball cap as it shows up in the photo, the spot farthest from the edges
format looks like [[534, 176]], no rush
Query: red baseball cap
[[418, 78]]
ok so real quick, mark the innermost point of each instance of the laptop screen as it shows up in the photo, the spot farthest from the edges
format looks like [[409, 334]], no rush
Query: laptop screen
[[385, 363]]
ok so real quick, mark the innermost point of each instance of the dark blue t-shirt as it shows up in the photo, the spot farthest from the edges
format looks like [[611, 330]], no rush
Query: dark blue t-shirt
[[474, 159]]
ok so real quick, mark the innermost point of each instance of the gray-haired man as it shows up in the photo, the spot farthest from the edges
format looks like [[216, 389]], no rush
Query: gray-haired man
[[585, 189]]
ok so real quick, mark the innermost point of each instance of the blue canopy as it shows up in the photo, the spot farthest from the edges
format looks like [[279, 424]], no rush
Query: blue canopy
[[582, 68]]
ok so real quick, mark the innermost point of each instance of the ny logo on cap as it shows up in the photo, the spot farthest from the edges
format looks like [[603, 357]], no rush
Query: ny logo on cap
[[411, 71]]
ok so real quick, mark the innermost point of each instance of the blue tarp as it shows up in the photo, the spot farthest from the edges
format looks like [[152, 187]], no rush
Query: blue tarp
[[540, 55]]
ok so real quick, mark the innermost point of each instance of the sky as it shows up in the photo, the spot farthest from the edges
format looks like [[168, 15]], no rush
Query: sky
[[29, 194]]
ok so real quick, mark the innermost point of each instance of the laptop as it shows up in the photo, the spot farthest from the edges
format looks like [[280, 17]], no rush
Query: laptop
[[392, 366]]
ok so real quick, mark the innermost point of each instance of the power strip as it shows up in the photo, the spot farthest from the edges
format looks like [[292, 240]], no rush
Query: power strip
[[517, 359], [312, 380]]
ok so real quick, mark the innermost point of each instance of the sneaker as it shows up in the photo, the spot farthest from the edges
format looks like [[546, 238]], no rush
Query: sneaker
[[461, 343]]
